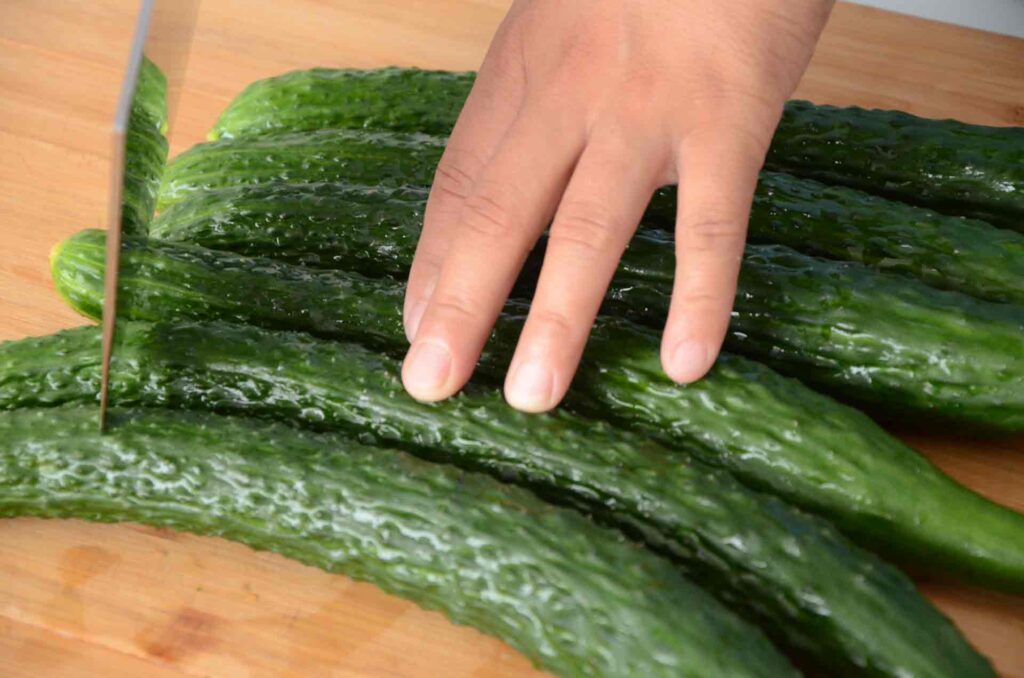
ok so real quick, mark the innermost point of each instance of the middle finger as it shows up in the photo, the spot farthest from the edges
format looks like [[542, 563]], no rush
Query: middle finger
[[610, 187], [510, 204]]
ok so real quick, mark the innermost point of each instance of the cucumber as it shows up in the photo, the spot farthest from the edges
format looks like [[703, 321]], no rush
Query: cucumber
[[949, 166], [813, 451], [145, 155], [370, 229], [545, 580], [399, 99], [936, 353], [835, 222], [945, 252], [353, 227], [145, 150], [876, 339], [377, 158], [823, 599], [778, 436], [151, 94]]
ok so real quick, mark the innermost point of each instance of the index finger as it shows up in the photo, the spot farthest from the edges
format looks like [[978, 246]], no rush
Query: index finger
[[492, 105], [510, 204], [718, 168]]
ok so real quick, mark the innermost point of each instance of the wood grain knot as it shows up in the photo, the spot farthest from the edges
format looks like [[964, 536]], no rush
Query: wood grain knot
[[189, 632], [79, 564]]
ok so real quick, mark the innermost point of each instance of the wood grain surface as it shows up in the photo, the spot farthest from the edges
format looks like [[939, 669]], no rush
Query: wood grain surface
[[80, 599]]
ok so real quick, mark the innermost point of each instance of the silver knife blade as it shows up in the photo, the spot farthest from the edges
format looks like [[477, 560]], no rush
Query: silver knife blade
[[163, 33]]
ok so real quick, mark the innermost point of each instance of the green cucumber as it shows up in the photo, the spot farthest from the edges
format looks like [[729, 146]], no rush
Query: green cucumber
[[819, 596], [145, 149], [945, 252], [399, 99], [949, 166], [573, 597], [814, 452], [145, 155], [779, 436], [835, 222], [946, 165], [873, 338], [371, 229], [938, 353], [354, 227], [150, 96], [378, 158]]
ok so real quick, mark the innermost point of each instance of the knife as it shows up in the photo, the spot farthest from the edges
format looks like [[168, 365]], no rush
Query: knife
[[163, 32]]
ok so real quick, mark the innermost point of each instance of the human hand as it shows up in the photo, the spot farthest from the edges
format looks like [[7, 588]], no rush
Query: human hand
[[580, 110]]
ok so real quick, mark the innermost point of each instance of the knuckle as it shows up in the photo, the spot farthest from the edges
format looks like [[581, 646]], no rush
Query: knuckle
[[644, 79], [487, 214], [554, 323], [449, 307], [453, 177], [451, 181], [699, 299], [754, 138], [711, 234], [743, 119], [584, 225], [739, 133], [637, 120]]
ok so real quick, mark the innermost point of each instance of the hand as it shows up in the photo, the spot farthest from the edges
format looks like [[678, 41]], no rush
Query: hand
[[580, 110]]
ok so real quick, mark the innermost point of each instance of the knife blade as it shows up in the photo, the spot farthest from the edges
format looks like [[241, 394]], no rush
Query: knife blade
[[163, 33]]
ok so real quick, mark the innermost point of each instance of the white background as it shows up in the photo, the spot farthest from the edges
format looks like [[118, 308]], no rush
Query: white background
[[999, 16]]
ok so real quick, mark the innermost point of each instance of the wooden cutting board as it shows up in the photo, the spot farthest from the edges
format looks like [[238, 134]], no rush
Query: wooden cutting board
[[80, 599]]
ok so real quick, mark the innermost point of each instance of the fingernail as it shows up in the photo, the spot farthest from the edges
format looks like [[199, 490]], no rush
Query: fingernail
[[689, 361], [530, 387], [426, 370], [413, 318]]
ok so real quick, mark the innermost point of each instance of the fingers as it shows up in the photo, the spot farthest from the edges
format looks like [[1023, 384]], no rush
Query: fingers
[[718, 169], [603, 203], [490, 109], [510, 202]]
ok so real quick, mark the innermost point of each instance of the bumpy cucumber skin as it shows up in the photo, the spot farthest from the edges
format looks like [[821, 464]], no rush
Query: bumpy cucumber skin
[[145, 156], [370, 229], [575, 598], [836, 222], [814, 452], [870, 337], [374, 230], [882, 340], [819, 596], [779, 436], [949, 166], [933, 352], [377, 158], [945, 252], [399, 99], [145, 150], [151, 94], [160, 281]]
